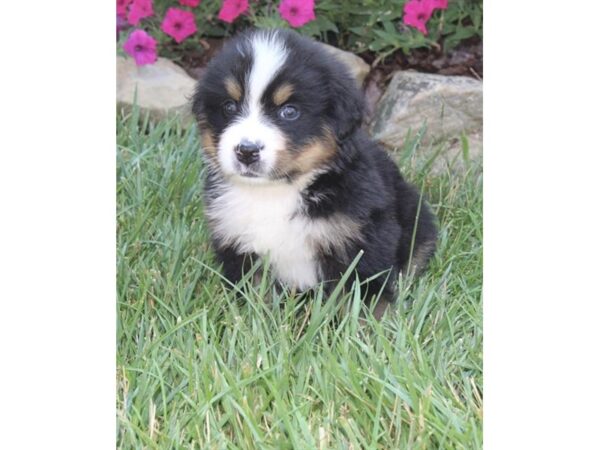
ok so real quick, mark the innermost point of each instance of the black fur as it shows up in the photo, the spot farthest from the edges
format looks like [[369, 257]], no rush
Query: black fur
[[368, 186]]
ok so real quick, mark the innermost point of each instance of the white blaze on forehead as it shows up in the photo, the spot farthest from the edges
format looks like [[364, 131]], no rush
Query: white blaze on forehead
[[269, 55]]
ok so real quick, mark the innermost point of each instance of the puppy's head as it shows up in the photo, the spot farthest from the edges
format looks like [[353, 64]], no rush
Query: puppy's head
[[273, 105]]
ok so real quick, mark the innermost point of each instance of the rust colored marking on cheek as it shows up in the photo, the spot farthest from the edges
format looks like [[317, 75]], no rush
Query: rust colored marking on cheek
[[233, 89], [208, 142], [282, 93], [316, 153]]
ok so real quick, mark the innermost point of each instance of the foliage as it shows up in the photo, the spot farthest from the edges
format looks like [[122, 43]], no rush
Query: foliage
[[379, 26], [199, 369]]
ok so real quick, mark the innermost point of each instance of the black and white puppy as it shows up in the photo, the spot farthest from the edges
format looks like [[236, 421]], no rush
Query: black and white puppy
[[291, 176]]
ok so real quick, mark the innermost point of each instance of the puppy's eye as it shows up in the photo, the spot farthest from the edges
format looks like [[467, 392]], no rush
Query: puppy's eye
[[289, 112], [230, 108]]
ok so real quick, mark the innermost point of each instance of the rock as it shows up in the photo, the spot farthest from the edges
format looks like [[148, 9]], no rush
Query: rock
[[163, 88], [358, 68], [448, 105]]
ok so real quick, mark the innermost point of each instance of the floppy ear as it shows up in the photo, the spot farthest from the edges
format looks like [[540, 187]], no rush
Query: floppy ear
[[347, 104]]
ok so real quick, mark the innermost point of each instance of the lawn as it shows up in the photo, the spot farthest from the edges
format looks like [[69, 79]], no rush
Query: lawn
[[199, 367]]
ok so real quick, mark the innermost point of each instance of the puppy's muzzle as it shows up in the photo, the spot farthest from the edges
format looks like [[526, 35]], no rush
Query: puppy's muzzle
[[248, 152]]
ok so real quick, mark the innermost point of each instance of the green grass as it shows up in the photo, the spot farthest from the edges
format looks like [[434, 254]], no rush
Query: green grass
[[199, 368]]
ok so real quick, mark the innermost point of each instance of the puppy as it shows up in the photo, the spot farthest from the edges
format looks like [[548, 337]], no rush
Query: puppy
[[290, 175]]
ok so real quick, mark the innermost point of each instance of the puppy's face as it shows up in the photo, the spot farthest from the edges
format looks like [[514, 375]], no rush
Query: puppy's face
[[265, 108]]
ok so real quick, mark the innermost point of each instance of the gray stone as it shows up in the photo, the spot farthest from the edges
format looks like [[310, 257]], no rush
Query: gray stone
[[358, 68], [448, 105], [163, 89]]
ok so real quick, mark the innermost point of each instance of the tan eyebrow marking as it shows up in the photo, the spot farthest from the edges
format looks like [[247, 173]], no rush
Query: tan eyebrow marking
[[233, 89], [282, 93]]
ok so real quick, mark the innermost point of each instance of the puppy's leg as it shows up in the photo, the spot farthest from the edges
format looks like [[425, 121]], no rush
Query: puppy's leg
[[234, 263], [419, 259], [381, 308], [380, 296]]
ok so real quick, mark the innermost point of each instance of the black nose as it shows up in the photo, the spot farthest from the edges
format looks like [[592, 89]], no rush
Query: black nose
[[248, 152]]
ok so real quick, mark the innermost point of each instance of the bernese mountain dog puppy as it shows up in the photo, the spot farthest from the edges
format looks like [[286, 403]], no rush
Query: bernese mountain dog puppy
[[292, 178]]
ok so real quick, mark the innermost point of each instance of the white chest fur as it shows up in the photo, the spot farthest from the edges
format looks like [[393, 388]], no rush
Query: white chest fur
[[265, 219]]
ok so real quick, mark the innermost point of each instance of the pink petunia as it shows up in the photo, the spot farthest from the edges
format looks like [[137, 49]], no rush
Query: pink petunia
[[231, 9], [178, 24], [141, 46], [297, 12], [193, 3], [122, 7], [139, 10], [417, 13]]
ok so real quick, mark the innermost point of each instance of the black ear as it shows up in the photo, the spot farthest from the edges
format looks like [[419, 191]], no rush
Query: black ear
[[347, 104]]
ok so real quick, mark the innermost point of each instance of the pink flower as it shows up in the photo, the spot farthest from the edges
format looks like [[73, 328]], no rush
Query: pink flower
[[440, 4], [178, 24], [122, 7], [297, 12], [231, 9], [418, 12], [138, 10], [193, 3], [141, 46]]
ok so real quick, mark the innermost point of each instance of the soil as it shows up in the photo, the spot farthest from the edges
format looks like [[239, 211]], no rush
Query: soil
[[466, 60], [195, 62]]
